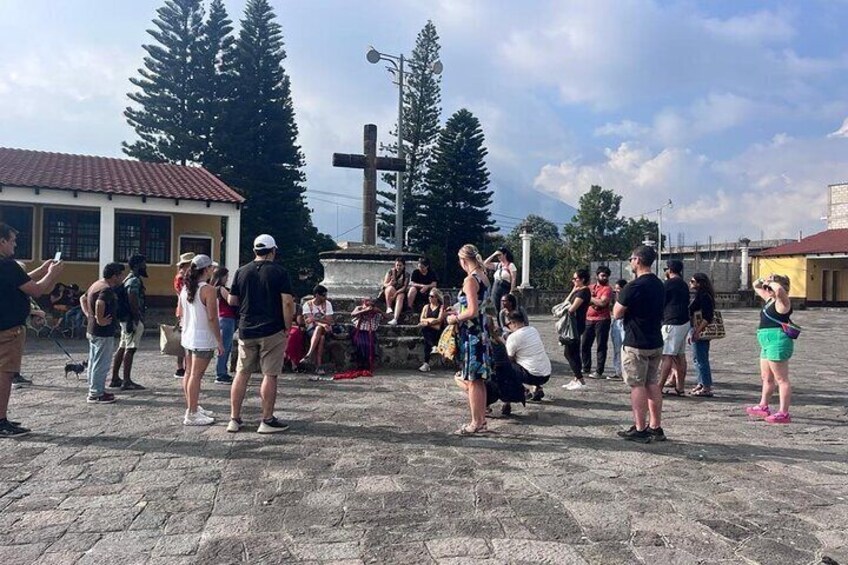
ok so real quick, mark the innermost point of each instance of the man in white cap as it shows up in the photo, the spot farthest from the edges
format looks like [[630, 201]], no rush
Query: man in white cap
[[262, 291], [179, 280]]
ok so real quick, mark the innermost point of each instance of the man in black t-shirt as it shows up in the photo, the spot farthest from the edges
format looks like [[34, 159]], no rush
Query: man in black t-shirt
[[16, 286], [100, 305], [423, 280], [641, 305], [676, 326], [262, 291]]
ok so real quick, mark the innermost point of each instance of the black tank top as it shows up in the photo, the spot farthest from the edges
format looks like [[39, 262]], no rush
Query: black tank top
[[771, 310]]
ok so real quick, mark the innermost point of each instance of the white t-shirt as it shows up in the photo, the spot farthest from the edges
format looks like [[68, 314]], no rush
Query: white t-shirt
[[525, 347], [317, 312], [508, 275]]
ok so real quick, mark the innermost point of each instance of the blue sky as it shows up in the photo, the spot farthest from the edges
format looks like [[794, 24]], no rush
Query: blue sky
[[735, 110]]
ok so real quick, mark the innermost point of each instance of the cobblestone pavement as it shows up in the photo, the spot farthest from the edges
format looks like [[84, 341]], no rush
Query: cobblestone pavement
[[369, 472]]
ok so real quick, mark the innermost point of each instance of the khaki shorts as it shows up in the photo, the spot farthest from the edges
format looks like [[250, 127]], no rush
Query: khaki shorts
[[641, 366], [262, 354], [674, 338], [12, 349], [131, 340]]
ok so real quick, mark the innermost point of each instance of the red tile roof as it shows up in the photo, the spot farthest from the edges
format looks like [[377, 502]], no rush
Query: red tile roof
[[828, 241], [39, 169]]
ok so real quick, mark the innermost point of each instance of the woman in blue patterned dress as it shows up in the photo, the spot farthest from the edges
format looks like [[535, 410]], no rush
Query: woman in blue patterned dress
[[474, 346]]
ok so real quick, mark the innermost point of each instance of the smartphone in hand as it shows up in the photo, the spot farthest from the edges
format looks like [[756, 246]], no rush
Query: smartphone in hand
[[57, 257]]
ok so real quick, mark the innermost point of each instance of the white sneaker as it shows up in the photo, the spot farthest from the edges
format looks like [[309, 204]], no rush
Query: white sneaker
[[389, 310], [425, 368], [234, 425], [197, 419], [393, 322], [574, 385], [205, 412]]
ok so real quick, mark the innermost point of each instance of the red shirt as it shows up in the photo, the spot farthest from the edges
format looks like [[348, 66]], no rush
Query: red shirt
[[597, 313]]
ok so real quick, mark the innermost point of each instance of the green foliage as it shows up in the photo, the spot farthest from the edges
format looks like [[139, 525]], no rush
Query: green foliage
[[594, 232], [421, 110], [263, 159], [634, 233], [550, 263], [168, 113], [457, 194]]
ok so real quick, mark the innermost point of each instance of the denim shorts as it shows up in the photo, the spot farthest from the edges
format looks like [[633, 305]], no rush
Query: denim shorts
[[202, 353]]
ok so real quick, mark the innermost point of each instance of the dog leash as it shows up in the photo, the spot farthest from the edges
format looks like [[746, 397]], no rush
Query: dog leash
[[65, 351]]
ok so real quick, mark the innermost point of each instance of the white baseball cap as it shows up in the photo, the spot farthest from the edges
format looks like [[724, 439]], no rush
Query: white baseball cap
[[201, 261], [264, 241]]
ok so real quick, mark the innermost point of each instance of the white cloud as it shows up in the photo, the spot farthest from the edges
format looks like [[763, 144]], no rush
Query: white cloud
[[842, 131], [777, 188]]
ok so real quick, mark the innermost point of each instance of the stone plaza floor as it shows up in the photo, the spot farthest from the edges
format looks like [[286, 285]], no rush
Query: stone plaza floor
[[370, 473]]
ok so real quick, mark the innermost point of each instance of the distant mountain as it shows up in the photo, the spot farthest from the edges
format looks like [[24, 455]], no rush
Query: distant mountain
[[510, 206]]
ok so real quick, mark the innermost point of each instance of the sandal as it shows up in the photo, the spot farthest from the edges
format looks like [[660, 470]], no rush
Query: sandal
[[704, 392], [673, 392], [697, 388], [470, 430]]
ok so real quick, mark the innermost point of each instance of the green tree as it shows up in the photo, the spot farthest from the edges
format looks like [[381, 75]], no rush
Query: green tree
[[259, 145], [167, 115], [421, 110], [635, 232], [457, 193], [594, 233], [550, 260], [215, 82]]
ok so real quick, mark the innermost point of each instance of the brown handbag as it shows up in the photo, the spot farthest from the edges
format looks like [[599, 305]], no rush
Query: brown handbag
[[713, 330]]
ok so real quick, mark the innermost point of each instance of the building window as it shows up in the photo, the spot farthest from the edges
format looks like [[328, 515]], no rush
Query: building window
[[20, 218], [197, 244], [147, 235], [76, 233]]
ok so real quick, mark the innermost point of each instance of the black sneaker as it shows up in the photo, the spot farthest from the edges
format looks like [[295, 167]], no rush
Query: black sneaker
[[20, 380], [272, 426], [115, 384], [633, 434], [506, 409], [179, 374], [9, 430], [129, 385], [104, 398], [224, 380], [657, 434], [538, 395]]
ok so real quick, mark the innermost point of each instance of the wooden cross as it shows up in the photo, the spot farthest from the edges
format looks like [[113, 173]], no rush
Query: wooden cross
[[370, 163]]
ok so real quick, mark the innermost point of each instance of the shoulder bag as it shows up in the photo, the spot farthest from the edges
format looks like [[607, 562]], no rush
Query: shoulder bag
[[713, 330]]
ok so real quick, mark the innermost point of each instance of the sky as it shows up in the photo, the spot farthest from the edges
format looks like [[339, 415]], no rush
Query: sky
[[736, 111]]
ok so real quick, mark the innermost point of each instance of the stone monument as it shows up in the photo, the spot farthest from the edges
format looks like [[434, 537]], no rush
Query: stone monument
[[357, 269]]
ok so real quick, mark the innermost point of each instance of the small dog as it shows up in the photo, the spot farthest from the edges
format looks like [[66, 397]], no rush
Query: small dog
[[76, 368]]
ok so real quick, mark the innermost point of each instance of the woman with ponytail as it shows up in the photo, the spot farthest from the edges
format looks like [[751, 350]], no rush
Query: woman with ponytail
[[474, 346], [201, 336]]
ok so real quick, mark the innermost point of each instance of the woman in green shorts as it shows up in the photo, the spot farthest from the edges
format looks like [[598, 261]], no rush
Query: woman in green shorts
[[775, 348]]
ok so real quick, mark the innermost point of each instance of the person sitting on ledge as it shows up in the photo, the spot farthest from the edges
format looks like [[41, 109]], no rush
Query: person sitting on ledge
[[395, 285], [318, 314], [423, 282]]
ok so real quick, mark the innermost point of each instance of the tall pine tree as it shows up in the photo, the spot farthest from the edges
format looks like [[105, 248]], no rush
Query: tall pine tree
[[168, 115], [263, 159], [215, 82], [457, 194], [421, 110]]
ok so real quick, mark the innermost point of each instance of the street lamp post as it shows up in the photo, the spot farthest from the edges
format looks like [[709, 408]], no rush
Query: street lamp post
[[659, 234], [373, 56]]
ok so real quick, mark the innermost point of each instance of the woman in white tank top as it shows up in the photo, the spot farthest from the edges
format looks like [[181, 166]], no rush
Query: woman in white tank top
[[201, 336]]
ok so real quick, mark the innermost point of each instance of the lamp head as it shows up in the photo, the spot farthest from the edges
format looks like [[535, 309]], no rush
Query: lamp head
[[373, 56]]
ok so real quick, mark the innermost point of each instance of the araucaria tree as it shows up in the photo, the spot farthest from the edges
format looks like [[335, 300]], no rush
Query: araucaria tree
[[421, 110], [168, 115], [457, 194], [263, 159]]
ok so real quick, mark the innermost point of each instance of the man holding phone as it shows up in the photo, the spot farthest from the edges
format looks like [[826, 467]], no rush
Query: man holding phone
[[16, 286]]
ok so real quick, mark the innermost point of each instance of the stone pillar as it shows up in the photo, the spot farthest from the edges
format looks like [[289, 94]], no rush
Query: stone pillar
[[525, 259], [233, 240], [107, 237], [743, 275]]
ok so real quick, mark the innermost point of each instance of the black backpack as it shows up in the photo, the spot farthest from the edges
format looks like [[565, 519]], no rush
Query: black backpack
[[123, 312]]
